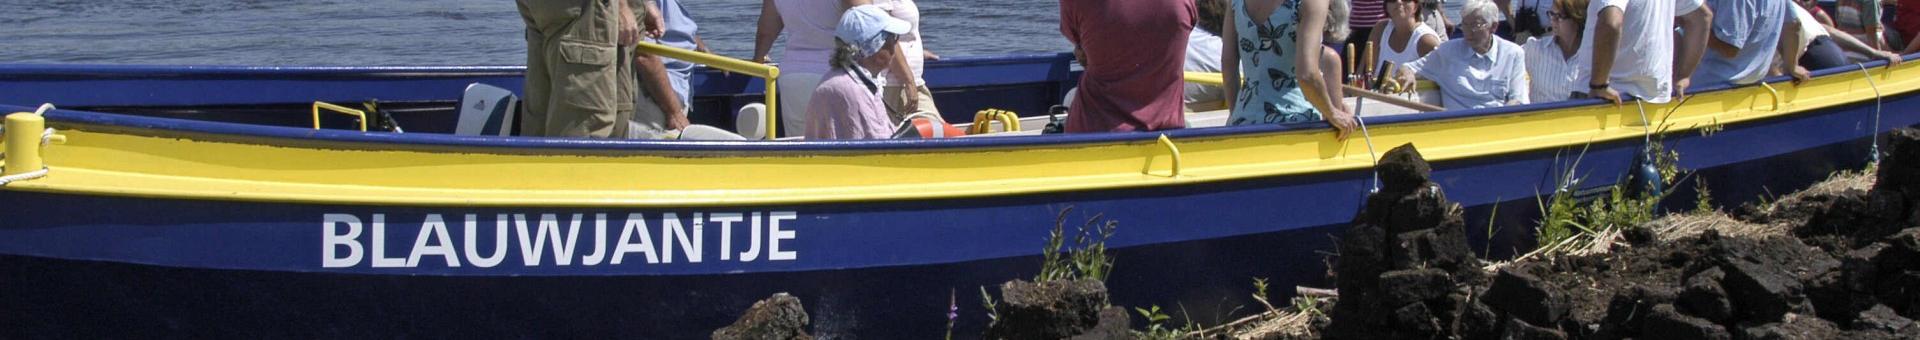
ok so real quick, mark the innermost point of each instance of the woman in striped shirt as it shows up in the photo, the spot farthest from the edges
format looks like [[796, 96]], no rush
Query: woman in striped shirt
[[1550, 64]]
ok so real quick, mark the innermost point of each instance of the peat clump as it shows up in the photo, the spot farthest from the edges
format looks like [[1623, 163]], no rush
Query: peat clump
[[780, 317], [1404, 268], [1057, 309]]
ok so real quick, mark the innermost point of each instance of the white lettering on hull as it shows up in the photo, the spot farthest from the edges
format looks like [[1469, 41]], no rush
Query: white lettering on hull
[[349, 240]]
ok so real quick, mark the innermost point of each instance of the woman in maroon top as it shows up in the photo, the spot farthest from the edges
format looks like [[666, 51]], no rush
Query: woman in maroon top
[[1133, 51]]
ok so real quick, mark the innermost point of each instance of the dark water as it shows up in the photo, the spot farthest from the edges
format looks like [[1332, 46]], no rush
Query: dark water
[[393, 32]]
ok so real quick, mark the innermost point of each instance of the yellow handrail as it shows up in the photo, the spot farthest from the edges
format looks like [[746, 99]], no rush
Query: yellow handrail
[[341, 109], [1206, 78], [769, 73]]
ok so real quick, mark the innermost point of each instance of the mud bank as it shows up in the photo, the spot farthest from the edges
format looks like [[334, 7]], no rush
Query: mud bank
[[1833, 262]]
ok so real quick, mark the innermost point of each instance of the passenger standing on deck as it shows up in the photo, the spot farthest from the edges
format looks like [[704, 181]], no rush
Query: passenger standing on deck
[[1550, 59], [1132, 51], [1478, 71], [580, 82], [1746, 37], [683, 33], [1276, 49], [847, 104], [1403, 37], [907, 91], [809, 25], [1630, 44], [1203, 55]]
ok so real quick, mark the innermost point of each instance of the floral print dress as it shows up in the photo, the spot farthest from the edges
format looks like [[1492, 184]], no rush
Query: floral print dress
[[1270, 93]]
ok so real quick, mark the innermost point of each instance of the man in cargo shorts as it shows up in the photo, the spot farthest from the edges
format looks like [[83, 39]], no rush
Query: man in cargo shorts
[[580, 70]]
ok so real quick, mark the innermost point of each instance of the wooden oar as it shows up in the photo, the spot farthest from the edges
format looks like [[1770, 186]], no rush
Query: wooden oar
[[1391, 99]]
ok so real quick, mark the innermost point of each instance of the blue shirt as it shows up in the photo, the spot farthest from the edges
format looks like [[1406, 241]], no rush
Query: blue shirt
[[680, 32], [1470, 80], [1753, 26]]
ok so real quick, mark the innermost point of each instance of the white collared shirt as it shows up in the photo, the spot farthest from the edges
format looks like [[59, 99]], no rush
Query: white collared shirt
[[1471, 80]]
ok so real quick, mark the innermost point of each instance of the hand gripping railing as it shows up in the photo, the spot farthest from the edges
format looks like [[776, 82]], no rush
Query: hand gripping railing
[[767, 72]]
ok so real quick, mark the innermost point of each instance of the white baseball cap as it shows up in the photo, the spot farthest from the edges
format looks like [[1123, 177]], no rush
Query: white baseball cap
[[861, 27]]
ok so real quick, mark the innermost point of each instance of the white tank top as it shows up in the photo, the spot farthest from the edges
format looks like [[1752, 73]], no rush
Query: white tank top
[[1404, 54]]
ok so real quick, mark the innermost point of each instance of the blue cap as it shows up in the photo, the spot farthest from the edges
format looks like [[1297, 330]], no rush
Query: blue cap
[[861, 27]]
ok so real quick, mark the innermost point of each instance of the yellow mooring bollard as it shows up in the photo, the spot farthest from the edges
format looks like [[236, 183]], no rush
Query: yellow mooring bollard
[[23, 143]]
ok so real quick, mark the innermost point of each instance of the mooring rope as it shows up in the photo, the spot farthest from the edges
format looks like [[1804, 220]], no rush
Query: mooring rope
[[1875, 134], [1370, 154]]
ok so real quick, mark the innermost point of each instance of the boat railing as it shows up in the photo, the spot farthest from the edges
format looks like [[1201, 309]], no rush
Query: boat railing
[[769, 73]]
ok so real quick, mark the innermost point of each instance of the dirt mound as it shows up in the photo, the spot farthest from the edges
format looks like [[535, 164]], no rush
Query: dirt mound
[[1828, 263]]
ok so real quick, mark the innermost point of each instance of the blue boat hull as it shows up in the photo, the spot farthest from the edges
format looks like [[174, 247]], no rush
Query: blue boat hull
[[119, 266]]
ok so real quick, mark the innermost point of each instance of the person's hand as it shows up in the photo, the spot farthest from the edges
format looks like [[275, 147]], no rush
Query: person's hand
[[1892, 59], [1680, 87], [1800, 75], [764, 59], [1343, 124], [928, 55], [629, 31], [1605, 93], [1402, 81], [654, 26], [677, 121]]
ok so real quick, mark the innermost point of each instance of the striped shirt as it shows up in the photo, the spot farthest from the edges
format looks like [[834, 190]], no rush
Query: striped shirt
[[1552, 73], [1367, 13]]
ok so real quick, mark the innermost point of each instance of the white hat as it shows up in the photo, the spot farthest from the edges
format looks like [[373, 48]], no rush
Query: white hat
[[861, 27]]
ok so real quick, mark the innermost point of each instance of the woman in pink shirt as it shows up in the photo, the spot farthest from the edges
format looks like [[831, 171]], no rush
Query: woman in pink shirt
[[847, 103]]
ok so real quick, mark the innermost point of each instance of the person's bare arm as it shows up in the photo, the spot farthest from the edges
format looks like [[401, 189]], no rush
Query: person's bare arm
[[1606, 37], [1790, 61], [653, 80], [1313, 18], [768, 30], [1690, 46], [1428, 43], [1330, 65], [845, 4], [1848, 42], [1230, 60], [1912, 46]]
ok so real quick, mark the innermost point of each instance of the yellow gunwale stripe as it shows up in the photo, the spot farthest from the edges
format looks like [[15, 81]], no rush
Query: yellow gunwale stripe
[[127, 165]]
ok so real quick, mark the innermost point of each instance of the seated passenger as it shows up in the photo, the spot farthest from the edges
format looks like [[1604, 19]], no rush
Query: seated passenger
[[1823, 46], [1203, 55], [1132, 51], [1746, 35], [1478, 71], [1330, 62], [847, 104], [1550, 64], [1404, 36]]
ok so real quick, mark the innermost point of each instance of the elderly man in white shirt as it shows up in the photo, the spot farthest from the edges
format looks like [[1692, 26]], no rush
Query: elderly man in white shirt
[[1477, 71]]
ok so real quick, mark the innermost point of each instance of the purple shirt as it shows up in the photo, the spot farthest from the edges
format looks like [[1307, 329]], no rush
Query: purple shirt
[[1135, 52], [846, 107]]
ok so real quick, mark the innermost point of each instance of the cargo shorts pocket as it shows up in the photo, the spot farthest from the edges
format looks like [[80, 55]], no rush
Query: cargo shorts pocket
[[586, 54]]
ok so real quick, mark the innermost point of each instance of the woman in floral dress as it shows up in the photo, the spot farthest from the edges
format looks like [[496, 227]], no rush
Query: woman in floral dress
[[1283, 81]]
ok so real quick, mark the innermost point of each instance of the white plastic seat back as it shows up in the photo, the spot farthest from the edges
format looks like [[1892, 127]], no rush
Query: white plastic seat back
[[486, 110], [751, 121]]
